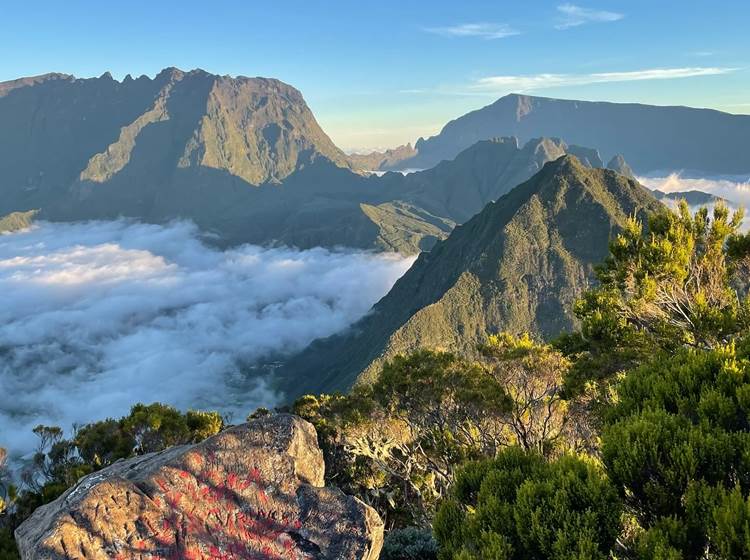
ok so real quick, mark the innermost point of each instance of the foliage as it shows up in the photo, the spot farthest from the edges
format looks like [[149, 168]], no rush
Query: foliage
[[521, 506], [660, 290], [8, 550], [532, 376], [677, 445], [411, 543], [396, 443]]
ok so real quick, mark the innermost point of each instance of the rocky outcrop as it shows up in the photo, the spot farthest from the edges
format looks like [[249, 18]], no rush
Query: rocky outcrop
[[17, 221], [619, 165], [252, 491]]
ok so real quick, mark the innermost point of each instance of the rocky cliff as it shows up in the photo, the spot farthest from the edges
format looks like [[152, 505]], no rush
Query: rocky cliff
[[131, 140]]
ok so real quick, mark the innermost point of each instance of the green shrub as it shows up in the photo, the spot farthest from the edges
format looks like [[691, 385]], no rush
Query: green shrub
[[677, 445], [411, 543], [519, 506]]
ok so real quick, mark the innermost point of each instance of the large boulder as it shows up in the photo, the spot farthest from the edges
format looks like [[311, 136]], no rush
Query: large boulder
[[252, 491]]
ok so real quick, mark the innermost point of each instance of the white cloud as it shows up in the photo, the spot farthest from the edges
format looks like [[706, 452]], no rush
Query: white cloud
[[99, 316], [529, 82], [735, 190], [573, 16], [481, 30]]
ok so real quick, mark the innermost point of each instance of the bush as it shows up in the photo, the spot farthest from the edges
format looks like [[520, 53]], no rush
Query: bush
[[520, 506], [8, 550], [677, 445], [411, 543]]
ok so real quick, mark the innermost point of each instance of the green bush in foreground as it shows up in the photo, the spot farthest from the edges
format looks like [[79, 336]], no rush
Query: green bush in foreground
[[520, 506], [677, 445]]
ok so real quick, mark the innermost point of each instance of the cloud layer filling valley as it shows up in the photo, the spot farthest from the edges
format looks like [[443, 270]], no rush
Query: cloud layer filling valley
[[99, 316]]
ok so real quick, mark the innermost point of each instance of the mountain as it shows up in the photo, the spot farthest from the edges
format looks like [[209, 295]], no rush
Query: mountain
[[382, 161], [84, 140], [518, 265], [650, 137], [454, 191], [693, 198], [244, 158], [619, 165]]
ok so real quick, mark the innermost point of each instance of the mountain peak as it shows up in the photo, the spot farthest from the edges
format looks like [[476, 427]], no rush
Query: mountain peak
[[618, 163], [519, 265]]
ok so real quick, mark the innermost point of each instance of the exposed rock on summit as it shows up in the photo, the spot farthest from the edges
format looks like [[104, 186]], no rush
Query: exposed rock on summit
[[253, 491]]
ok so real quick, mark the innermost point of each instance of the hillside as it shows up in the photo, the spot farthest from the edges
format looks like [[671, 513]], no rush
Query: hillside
[[649, 137], [84, 140], [518, 265]]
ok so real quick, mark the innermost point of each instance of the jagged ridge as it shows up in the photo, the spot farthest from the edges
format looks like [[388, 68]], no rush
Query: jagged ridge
[[518, 265]]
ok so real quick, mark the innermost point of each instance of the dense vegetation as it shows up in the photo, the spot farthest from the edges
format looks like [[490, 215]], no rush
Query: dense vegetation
[[629, 438]]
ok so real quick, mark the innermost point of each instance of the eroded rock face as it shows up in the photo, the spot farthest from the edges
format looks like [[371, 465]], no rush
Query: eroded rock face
[[253, 491]]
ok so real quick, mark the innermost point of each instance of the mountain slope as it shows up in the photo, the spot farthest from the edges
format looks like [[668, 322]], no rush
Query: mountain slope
[[243, 158], [62, 136], [649, 137], [518, 265]]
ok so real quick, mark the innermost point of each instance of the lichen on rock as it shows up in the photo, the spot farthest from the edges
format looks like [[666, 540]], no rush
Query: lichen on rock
[[252, 491]]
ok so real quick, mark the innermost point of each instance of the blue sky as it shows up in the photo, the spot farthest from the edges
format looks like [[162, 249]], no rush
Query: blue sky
[[383, 73]]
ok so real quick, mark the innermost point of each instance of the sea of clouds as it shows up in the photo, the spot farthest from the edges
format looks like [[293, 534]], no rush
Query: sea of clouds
[[98, 316], [734, 189]]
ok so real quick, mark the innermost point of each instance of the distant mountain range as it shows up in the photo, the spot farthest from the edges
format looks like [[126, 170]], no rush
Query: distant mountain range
[[649, 137], [383, 161], [246, 160], [518, 265], [693, 198], [242, 157]]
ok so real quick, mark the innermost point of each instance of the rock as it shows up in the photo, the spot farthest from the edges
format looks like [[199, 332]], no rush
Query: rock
[[252, 491]]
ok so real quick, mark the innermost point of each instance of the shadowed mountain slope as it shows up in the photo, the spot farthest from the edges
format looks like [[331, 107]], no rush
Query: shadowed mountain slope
[[519, 265], [649, 137]]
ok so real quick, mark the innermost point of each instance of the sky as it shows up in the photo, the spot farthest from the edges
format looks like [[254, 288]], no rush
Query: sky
[[379, 74]]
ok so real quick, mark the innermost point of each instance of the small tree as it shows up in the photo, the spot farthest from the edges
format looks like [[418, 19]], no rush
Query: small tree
[[676, 284], [397, 443], [531, 376]]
